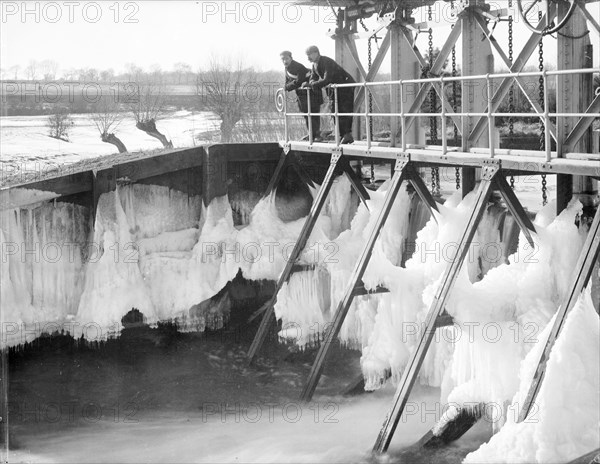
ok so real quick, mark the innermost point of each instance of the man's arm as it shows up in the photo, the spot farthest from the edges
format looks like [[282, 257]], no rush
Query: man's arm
[[328, 73], [294, 83]]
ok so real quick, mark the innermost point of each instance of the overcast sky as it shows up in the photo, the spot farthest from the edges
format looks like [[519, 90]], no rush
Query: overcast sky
[[109, 34]]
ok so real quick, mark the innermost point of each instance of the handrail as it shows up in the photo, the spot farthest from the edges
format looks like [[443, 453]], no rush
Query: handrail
[[441, 82]]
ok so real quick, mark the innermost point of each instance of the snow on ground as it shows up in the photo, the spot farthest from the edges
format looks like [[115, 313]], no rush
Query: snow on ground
[[27, 148]]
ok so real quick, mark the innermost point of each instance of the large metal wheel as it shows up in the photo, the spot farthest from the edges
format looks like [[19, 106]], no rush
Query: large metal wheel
[[551, 28]]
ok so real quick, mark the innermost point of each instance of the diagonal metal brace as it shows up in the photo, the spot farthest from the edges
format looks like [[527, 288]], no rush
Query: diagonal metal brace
[[411, 371], [355, 280], [515, 208], [311, 220], [583, 270]]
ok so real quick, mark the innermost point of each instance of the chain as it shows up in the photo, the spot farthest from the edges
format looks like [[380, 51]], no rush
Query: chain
[[541, 102], [454, 102], [511, 91], [369, 64], [435, 174]]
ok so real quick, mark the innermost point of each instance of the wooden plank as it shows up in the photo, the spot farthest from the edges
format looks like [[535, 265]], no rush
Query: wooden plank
[[411, 371], [581, 276], [515, 208], [355, 278], [309, 223], [158, 165]]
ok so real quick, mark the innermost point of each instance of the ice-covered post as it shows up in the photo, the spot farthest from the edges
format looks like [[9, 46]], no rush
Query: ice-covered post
[[336, 116], [367, 126]]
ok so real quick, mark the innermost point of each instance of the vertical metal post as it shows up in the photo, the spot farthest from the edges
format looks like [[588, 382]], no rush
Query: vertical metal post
[[402, 116], [285, 118], [367, 125], [444, 141], [337, 116], [548, 142], [310, 130], [490, 116], [393, 123]]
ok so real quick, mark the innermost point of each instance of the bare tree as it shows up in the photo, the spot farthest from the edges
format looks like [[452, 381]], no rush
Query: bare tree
[[107, 119], [182, 70], [31, 70], [148, 107], [59, 123], [15, 69], [223, 90], [107, 75], [49, 68]]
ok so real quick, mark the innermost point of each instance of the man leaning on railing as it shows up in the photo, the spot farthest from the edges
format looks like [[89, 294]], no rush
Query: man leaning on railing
[[297, 74], [326, 71]]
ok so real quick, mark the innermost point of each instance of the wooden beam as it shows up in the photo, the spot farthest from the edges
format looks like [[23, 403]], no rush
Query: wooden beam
[[411, 371], [355, 278], [581, 276], [150, 167], [307, 228]]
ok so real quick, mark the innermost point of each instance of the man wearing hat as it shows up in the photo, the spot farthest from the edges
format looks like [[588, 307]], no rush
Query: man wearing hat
[[326, 71], [297, 74]]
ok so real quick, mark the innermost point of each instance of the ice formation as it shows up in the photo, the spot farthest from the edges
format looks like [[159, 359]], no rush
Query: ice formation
[[43, 251], [561, 425], [151, 248]]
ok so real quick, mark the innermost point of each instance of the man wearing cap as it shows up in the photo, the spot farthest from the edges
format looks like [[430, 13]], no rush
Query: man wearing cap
[[297, 74], [326, 71]]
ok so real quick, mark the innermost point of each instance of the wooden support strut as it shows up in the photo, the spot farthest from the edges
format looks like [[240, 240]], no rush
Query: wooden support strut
[[451, 273], [356, 276], [583, 271], [297, 250]]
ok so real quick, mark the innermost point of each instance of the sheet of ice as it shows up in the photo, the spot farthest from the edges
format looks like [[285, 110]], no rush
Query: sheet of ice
[[43, 248], [113, 281], [564, 422]]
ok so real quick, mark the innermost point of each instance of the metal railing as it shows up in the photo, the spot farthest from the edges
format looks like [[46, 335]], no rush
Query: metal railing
[[545, 116]]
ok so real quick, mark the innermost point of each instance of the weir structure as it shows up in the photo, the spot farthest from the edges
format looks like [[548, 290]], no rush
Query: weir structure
[[569, 147]]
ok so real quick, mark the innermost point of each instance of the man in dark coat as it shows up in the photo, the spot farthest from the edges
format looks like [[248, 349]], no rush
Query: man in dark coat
[[297, 74], [326, 71]]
